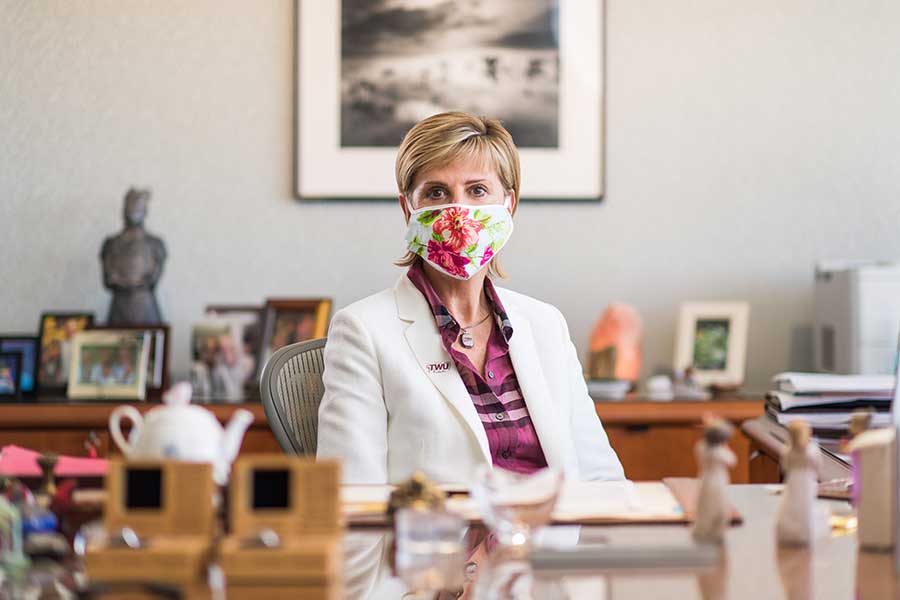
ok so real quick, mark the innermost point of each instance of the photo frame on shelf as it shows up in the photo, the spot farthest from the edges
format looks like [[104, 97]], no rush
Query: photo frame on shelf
[[288, 321], [361, 84], [246, 330], [712, 341], [109, 364], [27, 346], [10, 376], [157, 354], [55, 349]]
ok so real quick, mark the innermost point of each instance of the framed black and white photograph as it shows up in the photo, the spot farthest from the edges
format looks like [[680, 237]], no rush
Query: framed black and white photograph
[[712, 342], [368, 70], [246, 330]]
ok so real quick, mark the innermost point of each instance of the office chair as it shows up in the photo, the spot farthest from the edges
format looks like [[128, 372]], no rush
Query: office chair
[[291, 390]]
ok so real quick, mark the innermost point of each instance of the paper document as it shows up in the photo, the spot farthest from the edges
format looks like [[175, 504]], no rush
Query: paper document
[[823, 383]]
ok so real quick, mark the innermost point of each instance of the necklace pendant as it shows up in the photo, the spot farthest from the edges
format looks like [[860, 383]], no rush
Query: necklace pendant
[[467, 340]]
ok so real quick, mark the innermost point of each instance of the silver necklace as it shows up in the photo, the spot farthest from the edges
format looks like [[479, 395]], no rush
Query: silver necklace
[[465, 338]]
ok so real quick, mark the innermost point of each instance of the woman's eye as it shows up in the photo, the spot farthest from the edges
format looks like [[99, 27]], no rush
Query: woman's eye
[[478, 191], [436, 193]]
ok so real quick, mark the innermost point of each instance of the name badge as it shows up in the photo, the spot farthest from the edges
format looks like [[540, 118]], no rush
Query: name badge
[[440, 367]]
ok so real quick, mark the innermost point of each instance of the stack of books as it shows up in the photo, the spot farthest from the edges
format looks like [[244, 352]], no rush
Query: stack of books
[[827, 401]]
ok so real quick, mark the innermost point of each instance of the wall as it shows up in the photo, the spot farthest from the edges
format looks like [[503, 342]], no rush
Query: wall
[[745, 140]]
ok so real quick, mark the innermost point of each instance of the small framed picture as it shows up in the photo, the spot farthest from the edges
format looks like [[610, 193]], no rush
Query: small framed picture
[[109, 364], [55, 349], [246, 329], [10, 376], [157, 354], [220, 370], [712, 340], [27, 346], [288, 321]]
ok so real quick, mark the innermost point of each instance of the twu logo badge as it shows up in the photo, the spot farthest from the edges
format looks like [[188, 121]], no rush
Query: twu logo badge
[[441, 367]]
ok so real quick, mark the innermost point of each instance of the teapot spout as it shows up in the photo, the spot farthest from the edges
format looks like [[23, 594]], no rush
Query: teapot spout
[[234, 434]]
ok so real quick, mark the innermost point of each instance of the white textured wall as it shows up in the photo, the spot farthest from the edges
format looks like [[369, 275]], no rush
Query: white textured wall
[[745, 140]]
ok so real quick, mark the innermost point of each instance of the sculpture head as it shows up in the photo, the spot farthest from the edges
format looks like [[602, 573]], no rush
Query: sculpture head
[[135, 206]]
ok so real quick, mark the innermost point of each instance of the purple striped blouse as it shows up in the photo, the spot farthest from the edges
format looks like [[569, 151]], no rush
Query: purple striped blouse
[[498, 400]]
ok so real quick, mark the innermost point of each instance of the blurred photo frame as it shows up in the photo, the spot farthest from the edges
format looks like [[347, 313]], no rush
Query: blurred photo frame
[[712, 341], [157, 354], [220, 369], [109, 364], [55, 349], [27, 345], [246, 321], [10, 376], [290, 320], [364, 74]]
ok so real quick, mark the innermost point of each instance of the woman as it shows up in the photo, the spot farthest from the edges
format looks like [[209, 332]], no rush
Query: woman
[[444, 372]]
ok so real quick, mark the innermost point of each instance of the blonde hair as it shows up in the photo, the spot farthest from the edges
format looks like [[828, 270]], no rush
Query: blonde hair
[[444, 138]]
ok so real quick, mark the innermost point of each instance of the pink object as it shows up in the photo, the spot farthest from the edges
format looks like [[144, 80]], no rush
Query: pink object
[[22, 462], [620, 327]]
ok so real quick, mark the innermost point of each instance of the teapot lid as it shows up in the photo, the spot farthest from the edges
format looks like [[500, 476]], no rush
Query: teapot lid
[[179, 394]]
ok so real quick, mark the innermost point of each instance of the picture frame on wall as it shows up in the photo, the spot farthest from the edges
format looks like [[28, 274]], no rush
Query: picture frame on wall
[[157, 354], [109, 364], [367, 70], [712, 341], [55, 348], [288, 321], [27, 346], [10, 376]]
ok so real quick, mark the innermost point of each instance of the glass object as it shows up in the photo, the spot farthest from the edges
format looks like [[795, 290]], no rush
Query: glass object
[[430, 556], [513, 505]]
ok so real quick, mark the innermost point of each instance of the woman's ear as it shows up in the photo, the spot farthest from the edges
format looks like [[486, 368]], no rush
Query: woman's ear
[[404, 206], [512, 201]]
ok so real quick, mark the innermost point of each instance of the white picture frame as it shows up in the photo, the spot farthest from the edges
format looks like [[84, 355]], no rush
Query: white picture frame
[[92, 377], [572, 170], [712, 340]]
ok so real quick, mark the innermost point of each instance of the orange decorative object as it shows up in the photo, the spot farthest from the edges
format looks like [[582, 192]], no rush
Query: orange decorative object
[[616, 344]]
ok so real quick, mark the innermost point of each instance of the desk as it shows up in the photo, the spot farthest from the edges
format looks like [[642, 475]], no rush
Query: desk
[[656, 439], [767, 441], [753, 569]]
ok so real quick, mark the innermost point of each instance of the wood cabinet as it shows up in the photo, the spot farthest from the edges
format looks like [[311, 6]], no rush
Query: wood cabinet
[[653, 439], [656, 439], [70, 428]]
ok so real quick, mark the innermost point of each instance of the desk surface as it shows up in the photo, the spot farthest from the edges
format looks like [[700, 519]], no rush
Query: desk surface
[[754, 568]]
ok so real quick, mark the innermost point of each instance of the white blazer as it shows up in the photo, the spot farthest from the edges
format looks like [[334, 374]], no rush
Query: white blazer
[[394, 402]]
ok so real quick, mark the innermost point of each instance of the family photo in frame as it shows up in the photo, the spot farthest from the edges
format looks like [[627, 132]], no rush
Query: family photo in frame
[[367, 70]]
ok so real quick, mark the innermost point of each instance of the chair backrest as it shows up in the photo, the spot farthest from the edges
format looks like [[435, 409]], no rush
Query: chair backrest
[[291, 389]]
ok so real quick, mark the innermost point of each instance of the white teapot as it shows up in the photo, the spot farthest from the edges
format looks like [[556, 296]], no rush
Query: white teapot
[[181, 431]]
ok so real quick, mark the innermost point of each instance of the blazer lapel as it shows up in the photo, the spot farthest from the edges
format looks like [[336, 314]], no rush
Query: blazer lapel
[[530, 374], [425, 341]]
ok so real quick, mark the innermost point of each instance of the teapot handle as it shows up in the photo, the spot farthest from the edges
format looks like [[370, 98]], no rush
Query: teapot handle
[[115, 429]]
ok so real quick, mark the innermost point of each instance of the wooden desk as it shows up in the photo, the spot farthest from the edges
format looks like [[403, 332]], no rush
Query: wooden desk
[[656, 439], [67, 428], [767, 441]]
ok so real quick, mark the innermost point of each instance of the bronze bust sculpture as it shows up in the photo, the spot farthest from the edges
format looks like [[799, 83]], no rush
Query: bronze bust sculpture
[[132, 264]]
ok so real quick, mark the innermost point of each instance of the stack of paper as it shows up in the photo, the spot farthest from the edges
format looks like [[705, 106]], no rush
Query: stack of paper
[[828, 401]]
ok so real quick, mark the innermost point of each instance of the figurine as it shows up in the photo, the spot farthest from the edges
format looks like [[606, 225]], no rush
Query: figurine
[[616, 344], [714, 458], [797, 521], [132, 264]]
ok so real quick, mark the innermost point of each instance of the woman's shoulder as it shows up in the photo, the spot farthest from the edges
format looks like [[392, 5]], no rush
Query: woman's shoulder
[[371, 307]]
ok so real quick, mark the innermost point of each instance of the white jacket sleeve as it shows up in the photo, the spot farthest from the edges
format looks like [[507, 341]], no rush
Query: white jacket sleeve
[[596, 458], [352, 415]]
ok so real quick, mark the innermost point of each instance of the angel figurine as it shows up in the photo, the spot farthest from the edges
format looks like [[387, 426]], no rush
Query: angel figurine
[[797, 523], [714, 458]]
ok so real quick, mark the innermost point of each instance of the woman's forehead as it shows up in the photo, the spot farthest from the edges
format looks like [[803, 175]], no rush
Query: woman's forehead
[[461, 170]]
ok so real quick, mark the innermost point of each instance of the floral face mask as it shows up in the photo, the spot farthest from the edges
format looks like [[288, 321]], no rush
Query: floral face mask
[[459, 239]]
